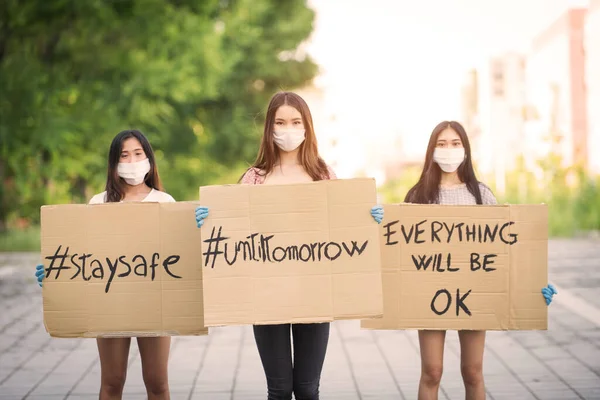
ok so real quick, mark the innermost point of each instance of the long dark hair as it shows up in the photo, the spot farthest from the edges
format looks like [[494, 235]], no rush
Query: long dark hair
[[115, 185], [308, 155], [427, 189]]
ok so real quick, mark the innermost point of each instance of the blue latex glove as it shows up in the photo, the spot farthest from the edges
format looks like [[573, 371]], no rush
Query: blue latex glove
[[39, 273], [377, 213], [201, 214], [548, 292]]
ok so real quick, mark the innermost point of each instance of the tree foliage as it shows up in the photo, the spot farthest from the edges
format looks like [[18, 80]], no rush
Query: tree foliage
[[193, 75]]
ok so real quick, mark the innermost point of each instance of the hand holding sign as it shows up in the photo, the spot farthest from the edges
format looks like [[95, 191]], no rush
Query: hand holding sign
[[548, 292], [377, 213], [464, 267], [201, 214], [144, 280], [266, 242], [39, 273]]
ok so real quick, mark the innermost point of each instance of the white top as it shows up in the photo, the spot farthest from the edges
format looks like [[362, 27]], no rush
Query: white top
[[154, 195]]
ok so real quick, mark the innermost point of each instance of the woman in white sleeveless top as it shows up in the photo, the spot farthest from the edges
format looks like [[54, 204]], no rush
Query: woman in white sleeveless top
[[132, 176]]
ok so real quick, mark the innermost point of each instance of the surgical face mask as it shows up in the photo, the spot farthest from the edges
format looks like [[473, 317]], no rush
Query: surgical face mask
[[135, 172], [288, 140], [449, 159]]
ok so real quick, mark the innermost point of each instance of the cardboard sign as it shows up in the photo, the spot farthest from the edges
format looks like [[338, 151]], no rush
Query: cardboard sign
[[464, 267], [122, 270], [296, 253]]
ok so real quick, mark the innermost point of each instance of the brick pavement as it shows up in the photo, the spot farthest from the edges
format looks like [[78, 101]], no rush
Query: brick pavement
[[561, 363]]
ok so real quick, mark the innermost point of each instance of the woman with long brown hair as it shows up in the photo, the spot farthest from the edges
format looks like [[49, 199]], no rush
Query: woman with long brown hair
[[289, 154], [132, 176], [448, 178]]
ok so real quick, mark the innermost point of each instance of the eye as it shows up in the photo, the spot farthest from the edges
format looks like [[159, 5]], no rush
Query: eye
[[298, 123], [278, 123], [123, 155]]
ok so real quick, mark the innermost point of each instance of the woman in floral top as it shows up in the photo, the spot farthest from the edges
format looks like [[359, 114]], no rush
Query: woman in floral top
[[448, 178], [289, 154]]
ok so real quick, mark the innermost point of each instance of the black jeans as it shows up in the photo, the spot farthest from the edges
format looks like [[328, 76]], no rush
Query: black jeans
[[303, 376]]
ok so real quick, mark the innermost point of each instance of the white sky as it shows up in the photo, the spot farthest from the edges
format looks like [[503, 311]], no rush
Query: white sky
[[395, 67]]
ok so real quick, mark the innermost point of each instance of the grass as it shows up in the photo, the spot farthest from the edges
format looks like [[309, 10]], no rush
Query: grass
[[20, 240], [573, 210]]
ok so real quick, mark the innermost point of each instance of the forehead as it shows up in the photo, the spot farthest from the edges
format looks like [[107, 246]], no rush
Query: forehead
[[287, 113], [131, 144], [448, 134]]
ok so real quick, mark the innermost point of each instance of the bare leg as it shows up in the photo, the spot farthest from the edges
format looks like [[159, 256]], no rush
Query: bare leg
[[154, 352], [432, 363], [114, 353], [472, 345]]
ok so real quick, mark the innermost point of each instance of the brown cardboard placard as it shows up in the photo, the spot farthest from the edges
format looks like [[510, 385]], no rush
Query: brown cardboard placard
[[297, 253], [464, 267], [122, 270]]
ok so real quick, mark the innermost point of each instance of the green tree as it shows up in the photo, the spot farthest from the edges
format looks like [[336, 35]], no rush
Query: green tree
[[193, 75]]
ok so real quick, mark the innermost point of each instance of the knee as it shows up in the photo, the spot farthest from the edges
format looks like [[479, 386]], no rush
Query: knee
[[472, 374], [156, 384], [279, 389], [431, 374], [306, 390], [113, 384]]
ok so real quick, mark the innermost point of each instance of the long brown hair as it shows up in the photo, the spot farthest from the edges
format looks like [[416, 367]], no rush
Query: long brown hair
[[427, 189], [308, 154], [115, 185]]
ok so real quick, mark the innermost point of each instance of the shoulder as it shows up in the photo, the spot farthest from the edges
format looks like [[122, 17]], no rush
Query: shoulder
[[252, 176], [331, 173], [487, 196], [98, 198], [160, 197]]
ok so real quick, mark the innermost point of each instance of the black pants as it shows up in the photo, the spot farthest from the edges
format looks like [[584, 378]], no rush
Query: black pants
[[303, 376]]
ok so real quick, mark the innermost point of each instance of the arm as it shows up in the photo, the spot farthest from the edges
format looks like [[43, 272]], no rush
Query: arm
[[487, 197]]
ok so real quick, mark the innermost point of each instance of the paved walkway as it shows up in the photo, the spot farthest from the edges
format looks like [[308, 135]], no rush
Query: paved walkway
[[561, 363]]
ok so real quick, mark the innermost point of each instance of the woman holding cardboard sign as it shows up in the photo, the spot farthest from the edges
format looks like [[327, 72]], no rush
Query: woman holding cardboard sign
[[289, 154], [448, 178], [132, 176]]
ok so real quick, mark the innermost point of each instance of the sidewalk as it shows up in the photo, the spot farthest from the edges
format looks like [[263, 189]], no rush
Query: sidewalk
[[561, 363]]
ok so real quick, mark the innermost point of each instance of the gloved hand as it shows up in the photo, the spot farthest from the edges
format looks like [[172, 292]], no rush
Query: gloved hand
[[548, 292], [39, 273], [377, 213], [201, 214]]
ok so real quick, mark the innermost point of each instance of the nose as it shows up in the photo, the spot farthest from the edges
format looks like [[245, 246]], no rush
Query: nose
[[137, 158]]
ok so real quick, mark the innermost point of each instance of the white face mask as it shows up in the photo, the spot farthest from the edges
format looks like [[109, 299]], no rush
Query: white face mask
[[449, 159], [288, 140], [135, 172]]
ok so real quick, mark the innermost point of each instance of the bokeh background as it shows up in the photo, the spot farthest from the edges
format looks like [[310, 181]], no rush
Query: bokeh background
[[196, 77]]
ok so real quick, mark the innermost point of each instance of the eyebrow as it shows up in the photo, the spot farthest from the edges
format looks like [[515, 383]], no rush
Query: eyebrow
[[138, 149], [293, 119]]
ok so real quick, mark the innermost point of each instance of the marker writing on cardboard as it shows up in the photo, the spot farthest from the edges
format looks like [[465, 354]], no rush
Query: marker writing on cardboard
[[476, 263], [459, 232], [59, 259], [258, 248], [442, 232]]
